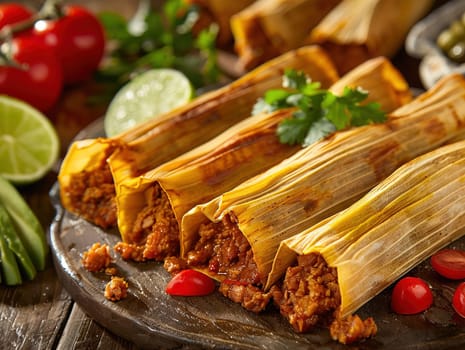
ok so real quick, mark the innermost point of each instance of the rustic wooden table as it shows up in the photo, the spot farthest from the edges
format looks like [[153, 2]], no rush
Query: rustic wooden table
[[41, 314]]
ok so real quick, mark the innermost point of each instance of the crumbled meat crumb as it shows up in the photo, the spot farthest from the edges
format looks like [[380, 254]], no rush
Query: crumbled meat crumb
[[250, 297], [97, 258], [111, 271], [116, 289], [352, 328], [128, 251], [174, 265]]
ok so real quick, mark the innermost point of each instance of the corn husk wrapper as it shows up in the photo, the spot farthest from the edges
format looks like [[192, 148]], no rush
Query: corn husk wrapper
[[156, 141], [219, 12], [328, 176], [268, 28], [399, 223], [242, 151], [357, 30]]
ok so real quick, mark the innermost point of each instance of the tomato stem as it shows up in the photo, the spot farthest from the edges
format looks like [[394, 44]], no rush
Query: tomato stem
[[50, 10], [6, 54]]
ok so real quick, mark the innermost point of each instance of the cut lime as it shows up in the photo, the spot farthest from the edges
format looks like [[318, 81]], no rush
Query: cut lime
[[147, 96], [29, 144]]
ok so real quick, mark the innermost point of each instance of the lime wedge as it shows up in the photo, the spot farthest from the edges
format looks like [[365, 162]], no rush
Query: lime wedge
[[147, 96], [29, 144]]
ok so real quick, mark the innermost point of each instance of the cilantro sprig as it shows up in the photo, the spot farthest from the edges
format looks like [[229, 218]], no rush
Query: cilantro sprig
[[166, 38], [318, 112]]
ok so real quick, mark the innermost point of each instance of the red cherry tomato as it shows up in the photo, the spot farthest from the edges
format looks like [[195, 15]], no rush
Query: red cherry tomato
[[449, 263], [190, 283], [39, 82], [411, 295], [13, 12], [78, 41], [458, 301]]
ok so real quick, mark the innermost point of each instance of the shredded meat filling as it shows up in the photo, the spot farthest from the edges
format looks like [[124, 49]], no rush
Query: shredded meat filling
[[96, 258], [224, 250], [310, 296], [352, 328], [155, 234], [116, 289], [92, 196]]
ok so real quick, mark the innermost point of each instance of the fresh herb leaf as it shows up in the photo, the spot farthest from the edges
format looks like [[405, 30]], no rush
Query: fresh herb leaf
[[318, 112], [168, 40], [319, 130], [293, 131]]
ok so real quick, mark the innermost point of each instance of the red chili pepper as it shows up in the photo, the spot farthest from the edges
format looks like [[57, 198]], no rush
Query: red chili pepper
[[190, 283]]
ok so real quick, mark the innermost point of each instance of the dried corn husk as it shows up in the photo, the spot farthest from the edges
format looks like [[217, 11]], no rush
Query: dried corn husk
[[219, 12], [399, 223], [156, 141], [268, 28], [356, 30], [330, 175], [239, 153]]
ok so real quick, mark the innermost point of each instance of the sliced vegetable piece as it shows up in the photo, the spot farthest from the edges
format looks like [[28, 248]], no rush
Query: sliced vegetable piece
[[10, 269], [449, 263], [190, 283], [458, 300], [7, 230], [27, 225]]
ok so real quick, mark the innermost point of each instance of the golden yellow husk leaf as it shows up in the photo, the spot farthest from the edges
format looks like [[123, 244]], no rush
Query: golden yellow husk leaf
[[244, 150], [330, 175], [399, 223], [356, 30]]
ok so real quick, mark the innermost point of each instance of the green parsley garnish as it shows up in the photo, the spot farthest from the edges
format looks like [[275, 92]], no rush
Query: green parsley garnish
[[319, 112]]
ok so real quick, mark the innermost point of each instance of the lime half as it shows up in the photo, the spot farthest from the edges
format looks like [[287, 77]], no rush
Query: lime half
[[29, 144], [148, 95]]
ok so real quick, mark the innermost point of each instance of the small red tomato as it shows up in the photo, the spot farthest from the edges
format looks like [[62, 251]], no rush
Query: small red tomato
[[11, 13], [449, 263], [39, 81], [458, 300], [190, 283], [78, 40], [411, 295]]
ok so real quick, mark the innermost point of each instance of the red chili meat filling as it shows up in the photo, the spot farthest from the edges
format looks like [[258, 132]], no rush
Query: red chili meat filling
[[223, 249], [92, 196], [116, 289], [155, 234], [310, 296], [96, 258]]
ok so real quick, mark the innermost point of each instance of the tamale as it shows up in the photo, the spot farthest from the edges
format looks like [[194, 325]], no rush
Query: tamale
[[86, 183], [219, 12], [399, 223], [308, 187], [150, 207], [268, 28], [356, 30]]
